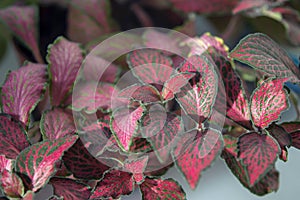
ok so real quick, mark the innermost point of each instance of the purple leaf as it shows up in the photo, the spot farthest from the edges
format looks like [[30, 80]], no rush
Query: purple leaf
[[160, 129], [268, 100], [38, 161], [114, 184], [246, 5], [258, 153], [262, 53], [198, 99], [150, 66], [92, 96], [162, 189], [195, 152], [22, 21], [82, 164], [70, 189], [64, 58], [295, 139], [13, 137], [124, 124], [57, 123], [291, 126], [23, 90], [11, 184]]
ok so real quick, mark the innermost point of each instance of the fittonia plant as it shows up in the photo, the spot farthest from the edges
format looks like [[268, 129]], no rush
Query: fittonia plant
[[49, 134]]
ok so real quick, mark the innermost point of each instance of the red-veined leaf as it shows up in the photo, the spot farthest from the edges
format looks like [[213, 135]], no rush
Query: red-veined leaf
[[22, 90], [13, 136], [124, 124], [258, 153], [97, 69], [246, 5], [144, 93], [23, 21], [70, 189], [160, 129], [140, 145], [29, 195], [282, 137], [5, 163], [167, 189], [64, 58], [195, 152], [92, 96], [11, 184], [136, 166], [291, 126], [37, 162], [262, 53], [204, 6], [198, 99], [230, 145], [57, 123], [295, 139], [82, 164], [150, 66], [174, 84], [268, 100], [114, 184]]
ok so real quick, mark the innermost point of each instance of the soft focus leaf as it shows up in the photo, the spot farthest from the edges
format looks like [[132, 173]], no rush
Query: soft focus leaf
[[114, 184], [258, 153], [195, 152], [57, 123], [22, 21], [64, 58], [268, 100], [12, 184], [167, 189], [246, 5], [13, 137], [22, 90], [124, 124], [69, 189], [262, 53], [37, 162]]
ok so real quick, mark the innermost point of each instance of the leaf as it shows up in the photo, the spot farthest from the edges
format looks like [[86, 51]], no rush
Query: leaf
[[29, 195], [246, 5], [82, 164], [5, 163], [136, 167], [268, 100], [124, 124], [150, 66], [23, 21], [70, 189], [258, 153], [160, 129], [57, 123], [295, 139], [146, 94], [114, 184], [37, 162], [11, 184], [167, 189], [13, 136], [92, 96], [23, 90], [64, 58], [198, 99], [205, 7], [195, 152], [290, 126], [262, 53]]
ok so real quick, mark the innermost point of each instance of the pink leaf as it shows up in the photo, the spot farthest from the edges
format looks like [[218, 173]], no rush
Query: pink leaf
[[57, 123], [70, 189], [114, 184], [22, 21], [258, 154], [13, 137], [245, 5], [64, 58], [92, 96], [136, 166], [262, 53], [198, 99], [150, 66], [160, 129], [22, 90], [11, 184], [162, 189], [124, 125], [37, 162], [5, 163], [195, 152], [82, 164], [268, 100]]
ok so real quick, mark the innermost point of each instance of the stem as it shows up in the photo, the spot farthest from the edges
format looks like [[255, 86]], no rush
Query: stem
[[231, 27], [143, 17]]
